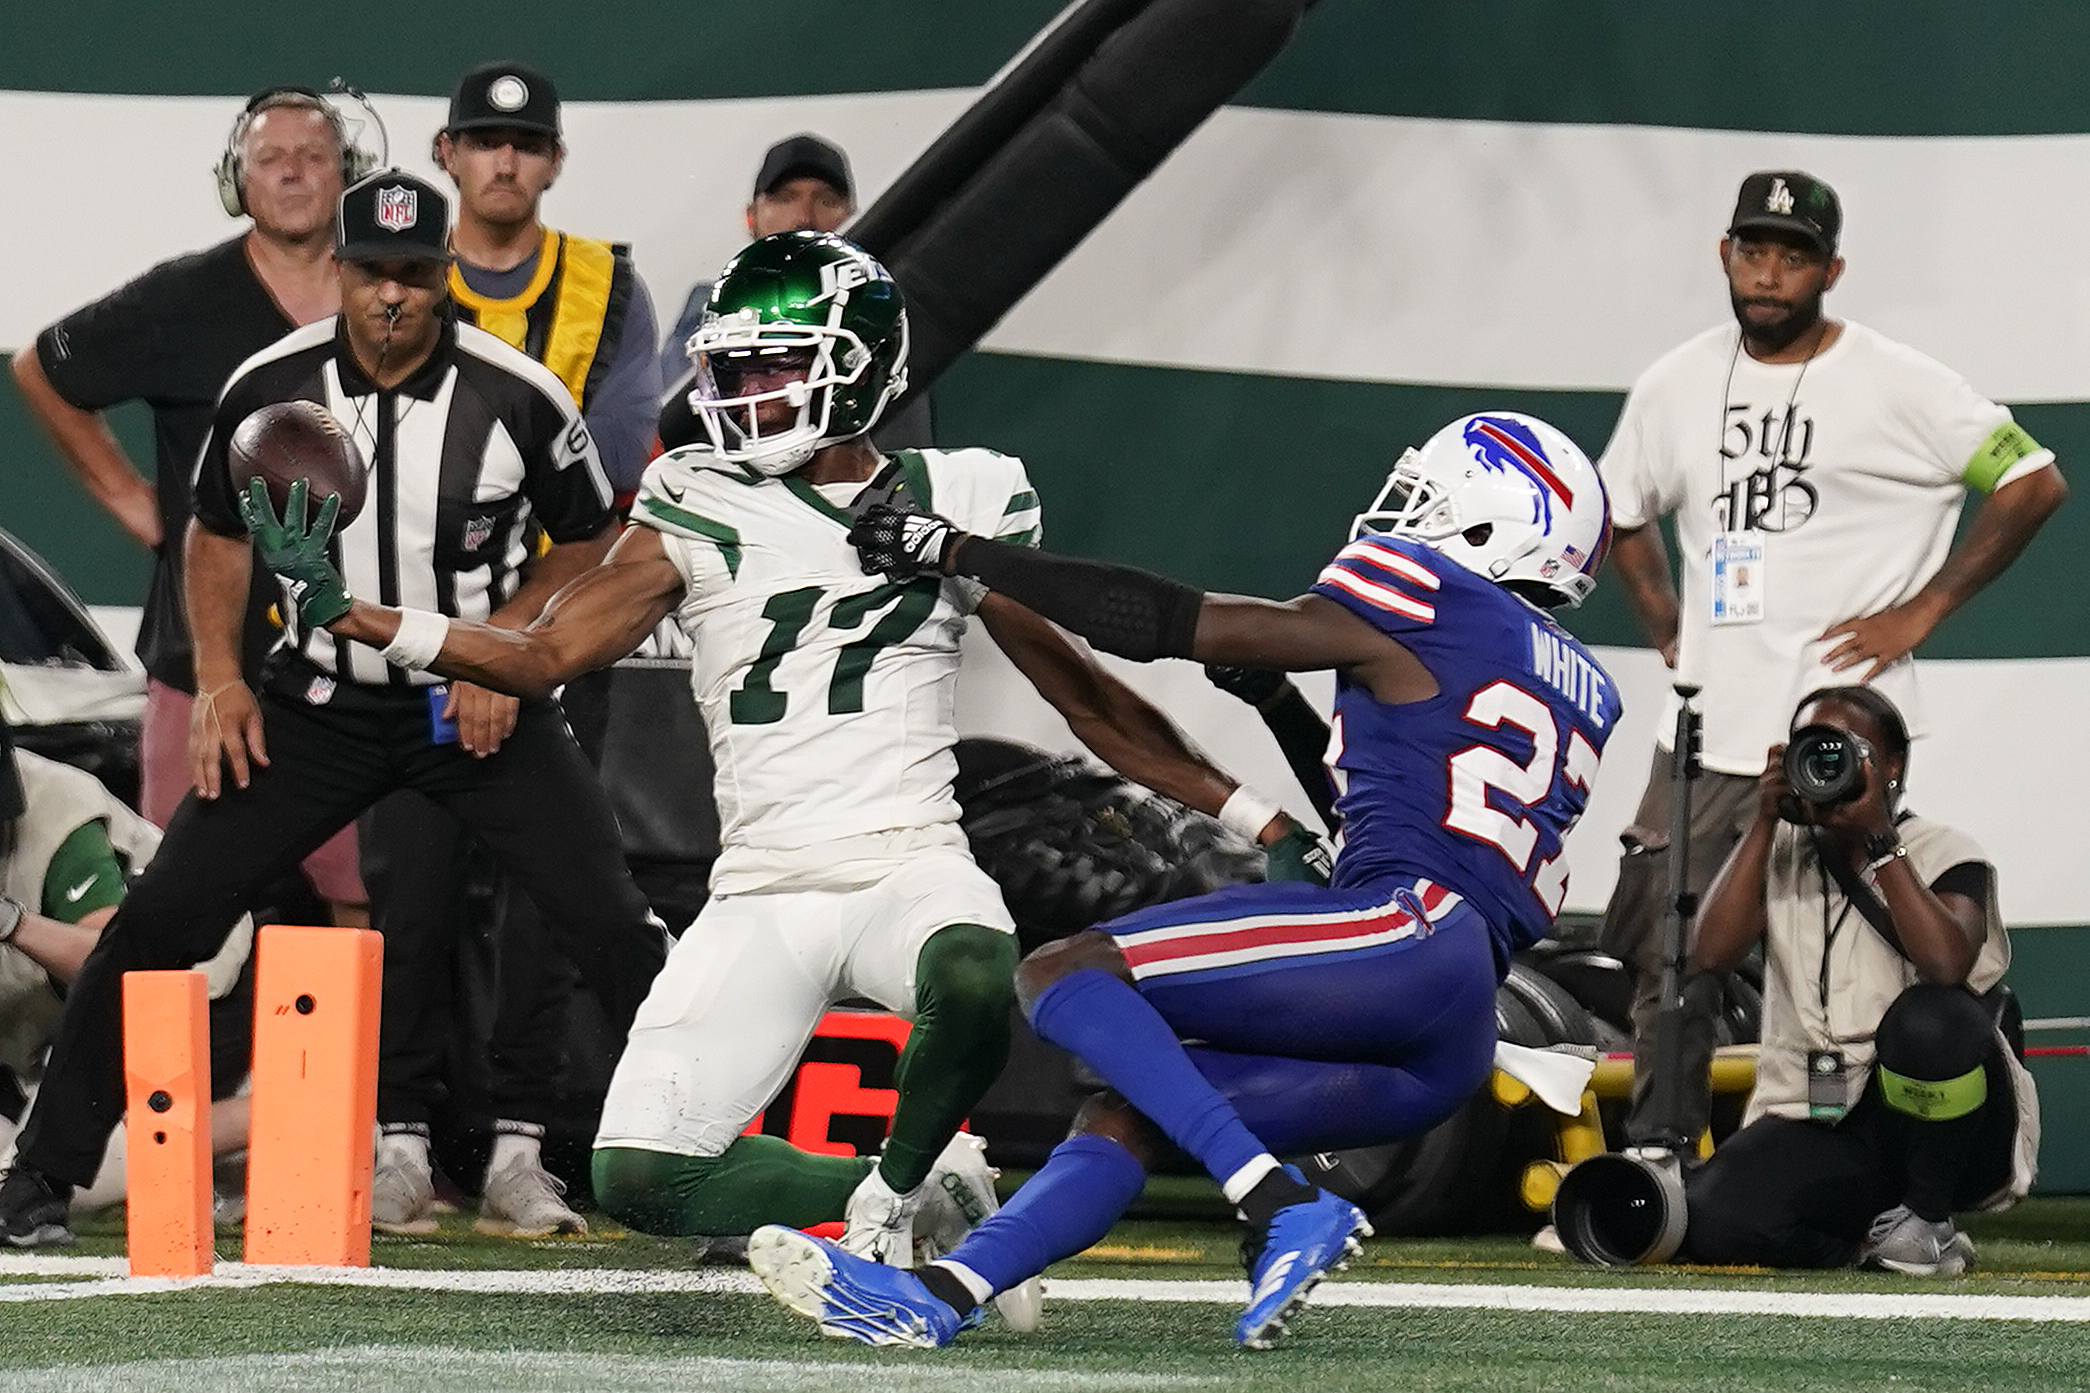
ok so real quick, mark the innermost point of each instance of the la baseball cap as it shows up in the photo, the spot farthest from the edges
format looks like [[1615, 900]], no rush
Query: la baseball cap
[[1786, 200], [392, 213], [800, 155], [514, 95]]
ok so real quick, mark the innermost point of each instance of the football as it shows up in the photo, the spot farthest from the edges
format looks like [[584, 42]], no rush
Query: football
[[293, 440]]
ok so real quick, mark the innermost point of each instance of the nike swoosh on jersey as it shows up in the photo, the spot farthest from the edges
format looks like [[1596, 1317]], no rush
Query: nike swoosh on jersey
[[82, 888]]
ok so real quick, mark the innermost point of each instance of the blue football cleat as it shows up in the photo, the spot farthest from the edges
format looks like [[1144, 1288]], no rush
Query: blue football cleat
[[1303, 1244], [851, 1297]]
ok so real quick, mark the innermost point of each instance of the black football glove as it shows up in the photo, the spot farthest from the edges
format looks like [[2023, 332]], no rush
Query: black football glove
[[902, 544], [1254, 685]]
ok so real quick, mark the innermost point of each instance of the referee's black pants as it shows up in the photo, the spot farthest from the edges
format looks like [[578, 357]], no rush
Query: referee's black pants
[[536, 803]]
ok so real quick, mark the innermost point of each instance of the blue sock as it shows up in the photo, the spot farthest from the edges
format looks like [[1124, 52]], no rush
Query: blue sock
[[1120, 1035], [1068, 1206]]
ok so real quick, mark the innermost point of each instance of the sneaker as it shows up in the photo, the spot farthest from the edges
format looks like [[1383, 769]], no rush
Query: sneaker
[[959, 1198], [1303, 1243], [35, 1210], [527, 1201], [402, 1193], [852, 1298], [1547, 1240], [1900, 1241]]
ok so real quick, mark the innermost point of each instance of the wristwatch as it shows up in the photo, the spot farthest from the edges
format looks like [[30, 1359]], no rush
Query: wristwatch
[[1882, 847], [11, 912]]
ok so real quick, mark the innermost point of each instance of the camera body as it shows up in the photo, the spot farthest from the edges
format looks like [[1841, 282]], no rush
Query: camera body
[[1825, 764]]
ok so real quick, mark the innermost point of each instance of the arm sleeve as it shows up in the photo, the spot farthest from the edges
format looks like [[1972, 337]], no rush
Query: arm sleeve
[[1132, 613], [85, 875], [624, 409], [119, 348]]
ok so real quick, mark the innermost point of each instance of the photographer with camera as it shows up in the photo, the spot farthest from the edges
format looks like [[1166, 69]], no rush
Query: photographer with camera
[[1887, 1096]]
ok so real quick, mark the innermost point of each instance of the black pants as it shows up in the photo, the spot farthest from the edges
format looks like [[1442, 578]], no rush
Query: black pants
[[537, 804], [1789, 1193], [467, 958]]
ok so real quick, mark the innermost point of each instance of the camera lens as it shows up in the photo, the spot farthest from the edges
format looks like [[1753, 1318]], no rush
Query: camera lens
[[1825, 764]]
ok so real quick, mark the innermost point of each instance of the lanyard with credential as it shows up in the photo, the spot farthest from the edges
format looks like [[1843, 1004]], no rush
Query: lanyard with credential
[[1828, 930]]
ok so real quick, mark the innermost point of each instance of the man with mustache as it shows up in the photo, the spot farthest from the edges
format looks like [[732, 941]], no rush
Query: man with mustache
[[1815, 470]]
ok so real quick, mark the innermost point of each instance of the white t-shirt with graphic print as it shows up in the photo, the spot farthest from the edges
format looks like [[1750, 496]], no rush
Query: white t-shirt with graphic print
[[1847, 472]]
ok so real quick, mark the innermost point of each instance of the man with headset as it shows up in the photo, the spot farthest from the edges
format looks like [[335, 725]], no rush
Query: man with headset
[[171, 338]]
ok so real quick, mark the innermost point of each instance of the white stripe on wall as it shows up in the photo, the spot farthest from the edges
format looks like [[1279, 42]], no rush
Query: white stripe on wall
[[1357, 247]]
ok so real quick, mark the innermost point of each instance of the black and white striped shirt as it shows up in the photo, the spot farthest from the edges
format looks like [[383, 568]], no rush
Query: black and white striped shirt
[[462, 456]]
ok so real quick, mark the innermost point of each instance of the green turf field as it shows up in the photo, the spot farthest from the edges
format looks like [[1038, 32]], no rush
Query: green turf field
[[1150, 1309]]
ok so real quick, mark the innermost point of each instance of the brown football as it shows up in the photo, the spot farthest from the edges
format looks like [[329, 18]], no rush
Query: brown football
[[293, 440]]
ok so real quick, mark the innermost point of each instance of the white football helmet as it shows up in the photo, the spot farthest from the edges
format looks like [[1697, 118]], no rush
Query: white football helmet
[[1503, 494]]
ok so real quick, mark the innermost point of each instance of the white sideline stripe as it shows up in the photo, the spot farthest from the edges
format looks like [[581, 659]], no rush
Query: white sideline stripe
[[109, 1280]]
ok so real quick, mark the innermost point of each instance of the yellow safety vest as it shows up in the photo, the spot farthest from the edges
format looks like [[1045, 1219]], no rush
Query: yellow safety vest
[[572, 314]]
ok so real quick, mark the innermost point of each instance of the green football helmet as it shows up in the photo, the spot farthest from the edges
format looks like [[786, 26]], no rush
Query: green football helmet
[[807, 330]]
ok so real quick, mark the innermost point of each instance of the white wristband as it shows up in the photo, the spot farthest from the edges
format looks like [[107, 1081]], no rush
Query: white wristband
[[1247, 812], [419, 640]]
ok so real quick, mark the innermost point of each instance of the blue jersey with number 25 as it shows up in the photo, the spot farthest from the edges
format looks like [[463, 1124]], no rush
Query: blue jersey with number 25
[[1476, 787]]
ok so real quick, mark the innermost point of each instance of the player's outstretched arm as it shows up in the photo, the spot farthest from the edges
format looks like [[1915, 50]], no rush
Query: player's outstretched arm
[[1142, 616], [1123, 728], [602, 615], [1131, 734]]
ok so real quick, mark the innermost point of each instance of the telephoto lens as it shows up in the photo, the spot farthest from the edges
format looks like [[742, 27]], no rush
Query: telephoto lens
[[1826, 764]]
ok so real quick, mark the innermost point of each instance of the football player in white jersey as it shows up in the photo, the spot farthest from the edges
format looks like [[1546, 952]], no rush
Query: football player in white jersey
[[828, 698]]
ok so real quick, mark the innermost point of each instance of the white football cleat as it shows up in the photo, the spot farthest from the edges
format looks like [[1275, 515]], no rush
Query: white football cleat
[[960, 1197]]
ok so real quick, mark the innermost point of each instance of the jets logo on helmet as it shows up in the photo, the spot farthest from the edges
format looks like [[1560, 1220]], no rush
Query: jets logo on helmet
[[1506, 495], [804, 346]]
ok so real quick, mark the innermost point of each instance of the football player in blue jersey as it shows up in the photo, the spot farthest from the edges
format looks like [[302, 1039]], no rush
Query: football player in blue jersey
[[1467, 731]]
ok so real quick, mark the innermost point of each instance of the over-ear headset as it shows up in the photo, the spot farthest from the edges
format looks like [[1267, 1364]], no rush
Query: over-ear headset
[[357, 161]]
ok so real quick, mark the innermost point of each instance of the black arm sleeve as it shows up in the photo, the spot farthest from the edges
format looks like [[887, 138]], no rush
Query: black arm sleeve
[[1302, 733], [1121, 609]]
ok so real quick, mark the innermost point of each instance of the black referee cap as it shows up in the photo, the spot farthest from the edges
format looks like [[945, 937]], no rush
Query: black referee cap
[[389, 214], [514, 95]]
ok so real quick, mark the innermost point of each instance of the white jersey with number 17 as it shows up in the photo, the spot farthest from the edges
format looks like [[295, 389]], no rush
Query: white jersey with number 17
[[827, 694]]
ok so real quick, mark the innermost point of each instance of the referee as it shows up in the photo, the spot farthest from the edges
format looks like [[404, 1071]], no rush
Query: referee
[[469, 443]]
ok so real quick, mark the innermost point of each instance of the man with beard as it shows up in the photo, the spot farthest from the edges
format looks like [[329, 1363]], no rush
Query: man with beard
[[1815, 518]]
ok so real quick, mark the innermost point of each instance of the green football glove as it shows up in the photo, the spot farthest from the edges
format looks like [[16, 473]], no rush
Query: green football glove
[[298, 553], [1300, 855]]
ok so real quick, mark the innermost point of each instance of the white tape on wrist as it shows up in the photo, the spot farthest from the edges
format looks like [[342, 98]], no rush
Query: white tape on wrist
[[419, 640], [1247, 812]]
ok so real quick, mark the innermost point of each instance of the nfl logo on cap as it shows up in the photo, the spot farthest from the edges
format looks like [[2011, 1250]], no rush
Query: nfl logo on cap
[[396, 208]]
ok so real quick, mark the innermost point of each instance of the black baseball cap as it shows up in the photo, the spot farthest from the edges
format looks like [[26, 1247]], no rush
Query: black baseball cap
[[392, 213], [514, 95], [1786, 200], [800, 155]]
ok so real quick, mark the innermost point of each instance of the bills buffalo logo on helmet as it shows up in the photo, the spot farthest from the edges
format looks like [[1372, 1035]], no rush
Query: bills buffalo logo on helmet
[[398, 208], [1501, 444]]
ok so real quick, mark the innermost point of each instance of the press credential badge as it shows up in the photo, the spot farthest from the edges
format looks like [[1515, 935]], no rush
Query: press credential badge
[[1739, 575]]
